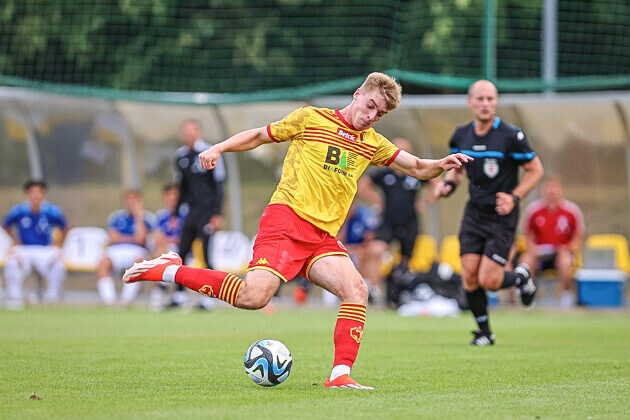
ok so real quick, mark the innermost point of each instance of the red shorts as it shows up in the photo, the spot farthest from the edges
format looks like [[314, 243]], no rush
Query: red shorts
[[288, 245]]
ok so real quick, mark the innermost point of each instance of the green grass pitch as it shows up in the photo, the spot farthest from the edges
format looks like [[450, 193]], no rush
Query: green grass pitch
[[92, 362]]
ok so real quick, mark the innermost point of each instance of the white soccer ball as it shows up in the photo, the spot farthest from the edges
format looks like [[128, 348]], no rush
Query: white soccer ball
[[268, 362]]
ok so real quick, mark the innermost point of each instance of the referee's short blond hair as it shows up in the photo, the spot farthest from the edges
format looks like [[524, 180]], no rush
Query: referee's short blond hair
[[387, 85]]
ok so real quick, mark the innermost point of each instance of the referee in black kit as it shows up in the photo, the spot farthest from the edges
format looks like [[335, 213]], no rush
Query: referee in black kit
[[491, 215], [202, 191]]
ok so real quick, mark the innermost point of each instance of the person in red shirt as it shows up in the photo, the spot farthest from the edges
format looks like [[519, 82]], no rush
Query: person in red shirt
[[554, 227]]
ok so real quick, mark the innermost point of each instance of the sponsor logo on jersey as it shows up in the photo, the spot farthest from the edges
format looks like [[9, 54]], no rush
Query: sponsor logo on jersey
[[520, 136], [262, 261], [206, 289], [357, 334], [490, 167], [479, 147], [345, 134], [339, 160]]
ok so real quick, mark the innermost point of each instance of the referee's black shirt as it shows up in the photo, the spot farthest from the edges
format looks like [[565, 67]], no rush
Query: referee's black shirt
[[498, 154]]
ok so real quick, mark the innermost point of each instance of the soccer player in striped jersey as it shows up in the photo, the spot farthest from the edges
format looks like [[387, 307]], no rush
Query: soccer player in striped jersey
[[329, 151]]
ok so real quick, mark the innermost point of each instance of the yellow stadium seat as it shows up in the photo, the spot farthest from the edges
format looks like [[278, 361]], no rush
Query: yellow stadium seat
[[424, 253], [618, 243], [449, 253], [521, 243], [197, 254]]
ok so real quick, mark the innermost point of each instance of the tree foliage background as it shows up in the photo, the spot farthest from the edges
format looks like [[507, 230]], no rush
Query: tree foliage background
[[246, 45]]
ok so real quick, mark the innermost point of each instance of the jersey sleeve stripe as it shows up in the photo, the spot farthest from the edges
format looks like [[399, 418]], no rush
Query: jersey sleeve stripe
[[454, 150], [271, 135], [485, 154], [523, 156], [391, 159]]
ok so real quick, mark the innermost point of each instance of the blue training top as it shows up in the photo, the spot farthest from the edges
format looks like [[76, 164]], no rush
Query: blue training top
[[361, 222], [35, 228], [124, 223], [163, 218]]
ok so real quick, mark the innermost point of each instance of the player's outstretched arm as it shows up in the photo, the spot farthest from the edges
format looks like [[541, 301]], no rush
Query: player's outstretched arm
[[245, 140], [427, 168]]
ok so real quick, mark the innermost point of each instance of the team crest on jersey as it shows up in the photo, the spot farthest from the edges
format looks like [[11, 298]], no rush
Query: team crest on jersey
[[490, 167]]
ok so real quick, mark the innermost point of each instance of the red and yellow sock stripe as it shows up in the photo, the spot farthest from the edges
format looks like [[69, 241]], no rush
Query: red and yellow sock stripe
[[352, 311], [229, 289]]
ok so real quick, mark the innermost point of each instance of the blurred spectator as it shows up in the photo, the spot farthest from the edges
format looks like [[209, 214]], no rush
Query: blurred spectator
[[554, 228], [202, 191], [399, 204], [30, 224], [128, 229], [167, 234]]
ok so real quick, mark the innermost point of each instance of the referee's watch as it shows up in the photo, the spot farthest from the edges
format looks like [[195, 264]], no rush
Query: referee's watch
[[516, 199]]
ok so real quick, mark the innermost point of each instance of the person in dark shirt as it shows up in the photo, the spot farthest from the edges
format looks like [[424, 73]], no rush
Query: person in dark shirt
[[399, 203], [202, 191], [491, 215]]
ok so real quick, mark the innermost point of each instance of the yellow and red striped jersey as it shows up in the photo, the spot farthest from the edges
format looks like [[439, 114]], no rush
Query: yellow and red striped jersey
[[324, 161]]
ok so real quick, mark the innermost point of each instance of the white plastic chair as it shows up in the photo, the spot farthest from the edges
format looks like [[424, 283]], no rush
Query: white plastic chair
[[5, 244], [83, 248], [230, 251]]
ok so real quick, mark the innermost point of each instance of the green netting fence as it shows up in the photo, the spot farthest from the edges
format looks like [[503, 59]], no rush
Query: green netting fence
[[228, 51]]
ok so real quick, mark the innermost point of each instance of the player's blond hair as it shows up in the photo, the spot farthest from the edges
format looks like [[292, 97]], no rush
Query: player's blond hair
[[387, 85]]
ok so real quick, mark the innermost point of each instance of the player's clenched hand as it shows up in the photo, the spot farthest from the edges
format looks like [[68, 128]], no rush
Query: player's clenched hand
[[209, 158], [454, 161], [504, 203]]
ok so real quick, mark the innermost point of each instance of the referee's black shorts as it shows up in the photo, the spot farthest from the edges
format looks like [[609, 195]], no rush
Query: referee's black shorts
[[484, 232]]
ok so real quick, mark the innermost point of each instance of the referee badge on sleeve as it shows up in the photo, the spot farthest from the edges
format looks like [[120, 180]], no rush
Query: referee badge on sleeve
[[490, 167]]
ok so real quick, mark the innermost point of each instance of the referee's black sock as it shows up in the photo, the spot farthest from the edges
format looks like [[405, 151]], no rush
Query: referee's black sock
[[478, 305], [512, 278]]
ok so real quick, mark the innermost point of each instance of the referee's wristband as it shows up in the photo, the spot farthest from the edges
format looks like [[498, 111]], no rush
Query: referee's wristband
[[453, 187], [516, 199]]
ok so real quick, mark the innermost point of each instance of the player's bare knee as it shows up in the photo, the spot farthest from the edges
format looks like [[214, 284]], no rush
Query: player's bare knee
[[470, 280], [353, 290], [248, 298], [490, 282]]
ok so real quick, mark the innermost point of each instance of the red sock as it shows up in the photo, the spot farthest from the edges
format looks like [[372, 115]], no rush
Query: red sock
[[348, 333], [213, 283]]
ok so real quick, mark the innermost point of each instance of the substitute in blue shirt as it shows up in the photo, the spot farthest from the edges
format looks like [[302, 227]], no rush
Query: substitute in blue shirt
[[128, 229], [30, 224]]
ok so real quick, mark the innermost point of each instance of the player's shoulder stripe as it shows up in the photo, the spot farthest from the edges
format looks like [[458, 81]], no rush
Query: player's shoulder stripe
[[182, 151], [162, 214], [571, 207], [534, 207], [23, 207], [322, 112], [49, 207], [118, 214], [510, 127], [343, 137]]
